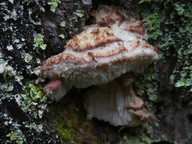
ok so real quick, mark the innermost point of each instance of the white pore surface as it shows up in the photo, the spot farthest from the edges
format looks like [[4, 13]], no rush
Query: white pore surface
[[108, 103]]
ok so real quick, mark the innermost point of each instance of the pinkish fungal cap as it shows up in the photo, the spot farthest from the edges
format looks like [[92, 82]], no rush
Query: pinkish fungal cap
[[113, 16], [56, 89], [100, 53], [53, 85]]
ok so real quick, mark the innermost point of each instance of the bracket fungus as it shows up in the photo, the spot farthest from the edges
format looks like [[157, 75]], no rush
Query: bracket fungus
[[116, 103], [114, 45]]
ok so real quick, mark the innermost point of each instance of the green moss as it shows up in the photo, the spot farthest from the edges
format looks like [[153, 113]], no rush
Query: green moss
[[139, 135], [135, 140], [71, 124], [65, 130]]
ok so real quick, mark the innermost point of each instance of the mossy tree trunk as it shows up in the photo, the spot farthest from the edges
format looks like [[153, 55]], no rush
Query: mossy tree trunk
[[31, 31]]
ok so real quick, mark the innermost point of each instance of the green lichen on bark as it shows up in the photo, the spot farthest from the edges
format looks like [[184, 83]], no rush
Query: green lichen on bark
[[29, 33], [168, 81]]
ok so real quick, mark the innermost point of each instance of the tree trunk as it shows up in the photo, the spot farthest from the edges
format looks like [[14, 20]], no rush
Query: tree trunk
[[33, 30]]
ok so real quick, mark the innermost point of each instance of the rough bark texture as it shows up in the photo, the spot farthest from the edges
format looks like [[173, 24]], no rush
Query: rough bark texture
[[33, 30]]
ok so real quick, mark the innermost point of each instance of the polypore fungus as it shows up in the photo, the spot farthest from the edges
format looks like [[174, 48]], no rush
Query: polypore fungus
[[116, 103], [114, 45]]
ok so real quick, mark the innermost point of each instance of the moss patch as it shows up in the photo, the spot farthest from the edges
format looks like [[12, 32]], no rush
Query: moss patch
[[70, 121]]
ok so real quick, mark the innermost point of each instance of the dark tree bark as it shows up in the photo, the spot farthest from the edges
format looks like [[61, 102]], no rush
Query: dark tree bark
[[31, 31]]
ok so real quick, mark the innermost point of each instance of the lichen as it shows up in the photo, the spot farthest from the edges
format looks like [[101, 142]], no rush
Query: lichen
[[79, 13], [17, 137], [53, 5], [169, 28], [39, 42], [33, 100], [24, 38]]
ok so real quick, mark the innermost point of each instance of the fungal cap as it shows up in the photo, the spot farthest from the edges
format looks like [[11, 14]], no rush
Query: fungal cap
[[115, 16], [56, 89], [100, 54]]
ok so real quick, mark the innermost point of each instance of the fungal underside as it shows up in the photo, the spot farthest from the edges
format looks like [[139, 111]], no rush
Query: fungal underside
[[116, 103]]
